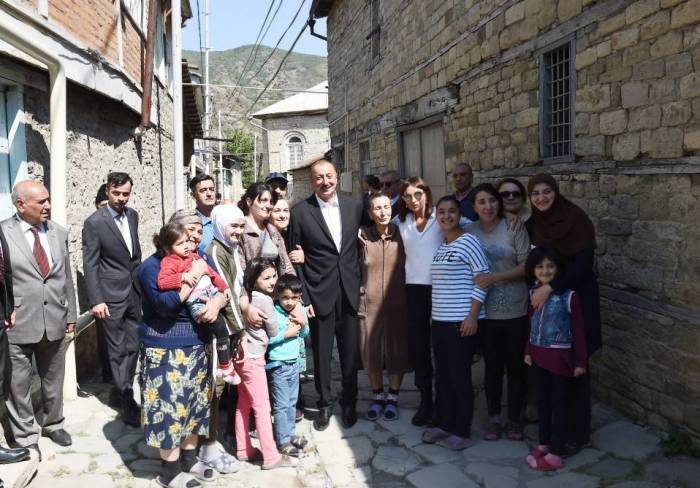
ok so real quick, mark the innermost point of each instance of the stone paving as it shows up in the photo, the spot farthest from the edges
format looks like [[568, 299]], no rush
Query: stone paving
[[106, 453]]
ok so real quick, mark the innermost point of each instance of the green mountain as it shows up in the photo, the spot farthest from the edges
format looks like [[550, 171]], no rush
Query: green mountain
[[300, 71]]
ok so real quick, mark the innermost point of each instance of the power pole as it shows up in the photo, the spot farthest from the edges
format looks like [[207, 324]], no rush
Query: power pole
[[220, 186], [207, 94]]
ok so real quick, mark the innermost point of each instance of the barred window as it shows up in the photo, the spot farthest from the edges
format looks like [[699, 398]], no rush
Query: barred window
[[557, 89], [365, 160], [295, 152]]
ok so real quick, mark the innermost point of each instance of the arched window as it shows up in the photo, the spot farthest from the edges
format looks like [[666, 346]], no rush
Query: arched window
[[295, 151]]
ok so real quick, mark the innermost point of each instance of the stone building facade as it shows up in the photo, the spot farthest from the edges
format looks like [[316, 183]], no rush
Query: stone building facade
[[604, 95], [294, 129], [102, 46]]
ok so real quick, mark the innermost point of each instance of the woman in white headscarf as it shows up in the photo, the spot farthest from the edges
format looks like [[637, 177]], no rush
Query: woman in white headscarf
[[228, 222]]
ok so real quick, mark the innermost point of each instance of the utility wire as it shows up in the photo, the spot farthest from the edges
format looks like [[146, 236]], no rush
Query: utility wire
[[274, 49], [279, 68], [257, 48], [257, 38]]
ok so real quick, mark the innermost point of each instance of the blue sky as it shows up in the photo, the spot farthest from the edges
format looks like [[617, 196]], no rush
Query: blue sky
[[234, 23]]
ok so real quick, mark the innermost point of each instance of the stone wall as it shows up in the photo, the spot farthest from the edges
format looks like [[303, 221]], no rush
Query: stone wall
[[312, 129], [636, 171], [100, 140]]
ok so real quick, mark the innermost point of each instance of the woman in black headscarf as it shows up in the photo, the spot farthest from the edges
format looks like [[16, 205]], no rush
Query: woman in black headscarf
[[561, 224]]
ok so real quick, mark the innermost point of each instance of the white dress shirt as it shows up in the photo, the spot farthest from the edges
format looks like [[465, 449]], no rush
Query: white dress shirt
[[331, 214], [43, 238], [123, 225]]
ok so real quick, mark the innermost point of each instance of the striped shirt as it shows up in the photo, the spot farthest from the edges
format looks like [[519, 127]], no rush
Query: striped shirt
[[452, 270]]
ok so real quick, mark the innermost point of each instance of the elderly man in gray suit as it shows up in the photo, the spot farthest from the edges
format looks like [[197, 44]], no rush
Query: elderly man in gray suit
[[45, 310]]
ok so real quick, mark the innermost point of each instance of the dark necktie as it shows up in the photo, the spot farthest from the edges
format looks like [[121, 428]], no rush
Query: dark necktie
[[39, 254], [2, 265]]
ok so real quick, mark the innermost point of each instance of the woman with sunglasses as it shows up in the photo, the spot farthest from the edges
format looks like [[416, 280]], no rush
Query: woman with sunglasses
[[561, 224], [514, 197], [421, 236], [504, 330]]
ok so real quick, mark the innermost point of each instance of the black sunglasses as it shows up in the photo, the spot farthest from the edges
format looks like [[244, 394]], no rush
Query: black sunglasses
[[510, 194]]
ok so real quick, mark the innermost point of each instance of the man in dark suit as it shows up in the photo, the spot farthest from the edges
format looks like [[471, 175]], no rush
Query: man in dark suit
[[7, 311], [325, 225], [111, 254], [45, 310]]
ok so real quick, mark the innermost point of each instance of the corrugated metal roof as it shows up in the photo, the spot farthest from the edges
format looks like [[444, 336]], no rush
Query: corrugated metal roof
[[298, 104]]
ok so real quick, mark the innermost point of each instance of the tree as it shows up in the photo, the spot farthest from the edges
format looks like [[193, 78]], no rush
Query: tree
[[241, 146]]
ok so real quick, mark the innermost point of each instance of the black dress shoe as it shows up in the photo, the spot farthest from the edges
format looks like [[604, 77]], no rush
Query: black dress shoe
[[8, 455], [322, 419], [60, 437], [349, 417], [131, 412]]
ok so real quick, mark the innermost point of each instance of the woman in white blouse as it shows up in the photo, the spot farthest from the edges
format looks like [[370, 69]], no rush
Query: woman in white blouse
[[421, 237]]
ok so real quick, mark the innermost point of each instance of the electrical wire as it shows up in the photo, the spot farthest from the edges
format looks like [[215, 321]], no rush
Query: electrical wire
[[257, 38], [257, 48], [274, 49], [279, 68]]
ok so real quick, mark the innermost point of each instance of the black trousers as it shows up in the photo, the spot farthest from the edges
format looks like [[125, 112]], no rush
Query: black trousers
[[419, 304], [503, 346], [554, 400], [453, 377], [580, 427], [341, 324], [121, 332]]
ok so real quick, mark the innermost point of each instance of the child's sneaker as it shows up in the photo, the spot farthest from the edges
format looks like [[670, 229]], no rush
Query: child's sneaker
[[299, 441]]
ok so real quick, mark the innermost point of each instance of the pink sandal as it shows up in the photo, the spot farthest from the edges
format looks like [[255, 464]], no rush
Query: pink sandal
[[542, 464]]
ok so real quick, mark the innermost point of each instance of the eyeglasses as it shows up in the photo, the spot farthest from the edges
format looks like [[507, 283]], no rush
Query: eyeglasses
[[416, 195], [510, 194], [388, 184]]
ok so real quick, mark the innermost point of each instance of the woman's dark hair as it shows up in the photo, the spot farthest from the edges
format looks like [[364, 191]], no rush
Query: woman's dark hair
[[418, 182], [101, 194], [448, 198], [539, 254], [253, 271], [168, 235], [254, 192], [491, 190], [288, 282], [372, 182], [515, 182], [118, 178]]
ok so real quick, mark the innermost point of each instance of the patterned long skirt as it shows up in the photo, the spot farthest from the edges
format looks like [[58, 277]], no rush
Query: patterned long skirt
[[175, 394]]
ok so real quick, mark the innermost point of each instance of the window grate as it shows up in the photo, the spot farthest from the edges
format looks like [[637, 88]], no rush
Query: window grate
[[557, 102]]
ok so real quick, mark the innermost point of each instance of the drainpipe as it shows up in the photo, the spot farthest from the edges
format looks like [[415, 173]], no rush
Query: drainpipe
[[147, 81], [177, 104], [15, 33]]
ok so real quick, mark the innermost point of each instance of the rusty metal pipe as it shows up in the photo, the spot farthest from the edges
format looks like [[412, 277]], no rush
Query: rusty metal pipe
[[147, 80]]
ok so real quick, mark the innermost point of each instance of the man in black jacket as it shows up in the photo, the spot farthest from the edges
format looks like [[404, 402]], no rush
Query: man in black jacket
[[111, 254], [7, 310], [325, 225]]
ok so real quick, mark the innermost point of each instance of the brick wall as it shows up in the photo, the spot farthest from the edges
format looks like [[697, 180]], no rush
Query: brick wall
[[93, 22], [637, 149]]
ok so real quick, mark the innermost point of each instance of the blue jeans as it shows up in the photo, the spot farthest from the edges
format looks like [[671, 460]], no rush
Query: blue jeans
[[284, 386]]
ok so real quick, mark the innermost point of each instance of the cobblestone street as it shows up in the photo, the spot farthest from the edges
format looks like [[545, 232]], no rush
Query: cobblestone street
[[106, 453]]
